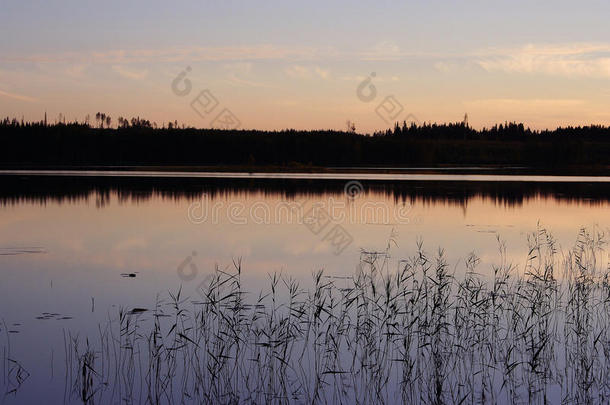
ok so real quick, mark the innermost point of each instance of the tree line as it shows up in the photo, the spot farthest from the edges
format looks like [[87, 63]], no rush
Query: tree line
[[137, 141]]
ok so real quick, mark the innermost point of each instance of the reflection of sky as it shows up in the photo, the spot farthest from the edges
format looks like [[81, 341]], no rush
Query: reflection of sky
[[87, 249], [153, 236], [287, 64]]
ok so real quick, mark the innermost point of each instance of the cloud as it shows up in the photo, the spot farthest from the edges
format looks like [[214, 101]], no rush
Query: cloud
[[306, 72], [239, 73], [508, 102], [524, 104], [77, 70], [176, 54], [298, 72], [244, 68], [445, 67], [130, 74], [324, 74], [18, 97], [569, 60], [383, 51], [377, 79], [537, 112]]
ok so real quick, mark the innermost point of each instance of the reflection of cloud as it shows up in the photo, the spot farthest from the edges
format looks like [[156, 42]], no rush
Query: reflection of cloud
[[241, 251], [19, 97], [322, 247], [131, 244], [297, 248], [582, 60], [130, 74], [72, 245]]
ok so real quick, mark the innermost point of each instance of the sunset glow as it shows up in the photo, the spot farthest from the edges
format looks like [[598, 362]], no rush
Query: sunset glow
[[545, 64]]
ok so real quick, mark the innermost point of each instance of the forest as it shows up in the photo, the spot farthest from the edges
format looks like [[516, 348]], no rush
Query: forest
[[138, 142]]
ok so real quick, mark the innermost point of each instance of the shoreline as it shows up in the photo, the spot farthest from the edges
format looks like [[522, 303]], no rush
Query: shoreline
[[594, 171]]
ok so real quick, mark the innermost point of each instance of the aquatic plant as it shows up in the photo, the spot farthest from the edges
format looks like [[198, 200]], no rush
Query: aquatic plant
[[416, 333]]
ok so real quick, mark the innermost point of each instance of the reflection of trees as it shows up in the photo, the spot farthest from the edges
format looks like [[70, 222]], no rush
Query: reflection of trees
[[42, 189]]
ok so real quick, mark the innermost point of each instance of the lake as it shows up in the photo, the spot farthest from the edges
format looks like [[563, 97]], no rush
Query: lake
[[75, 248]]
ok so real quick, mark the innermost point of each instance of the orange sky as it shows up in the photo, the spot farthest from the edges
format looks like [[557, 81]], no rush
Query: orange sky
[[279, 65]]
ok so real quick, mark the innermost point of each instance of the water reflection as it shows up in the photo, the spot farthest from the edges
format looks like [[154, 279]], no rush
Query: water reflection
[[65, 189], [74, 251]]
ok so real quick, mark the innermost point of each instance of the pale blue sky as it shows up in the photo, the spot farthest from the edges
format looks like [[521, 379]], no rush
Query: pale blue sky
[[280, 64]]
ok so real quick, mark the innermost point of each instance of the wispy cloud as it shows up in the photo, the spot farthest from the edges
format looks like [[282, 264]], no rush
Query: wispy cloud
[[307, 72], [383, 51], [322, 73], [378, 78], [19, 97], [511, 103], [577, 60], [240, 74], [176, 54], [77, 70], [130, 73], [445, 66]]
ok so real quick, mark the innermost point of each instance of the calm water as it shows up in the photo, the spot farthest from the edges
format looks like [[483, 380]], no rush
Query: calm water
[[74, 249]]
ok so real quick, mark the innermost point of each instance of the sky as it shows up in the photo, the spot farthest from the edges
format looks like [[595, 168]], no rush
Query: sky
[[308, 65]]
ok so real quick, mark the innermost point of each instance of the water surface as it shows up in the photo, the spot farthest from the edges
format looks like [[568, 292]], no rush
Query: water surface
[[76, 247]]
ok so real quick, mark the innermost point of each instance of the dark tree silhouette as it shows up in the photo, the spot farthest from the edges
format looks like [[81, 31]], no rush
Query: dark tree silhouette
[[137, 142]]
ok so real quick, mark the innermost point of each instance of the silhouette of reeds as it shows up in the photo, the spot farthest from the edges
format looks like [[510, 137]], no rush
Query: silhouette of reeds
[[416, 333]]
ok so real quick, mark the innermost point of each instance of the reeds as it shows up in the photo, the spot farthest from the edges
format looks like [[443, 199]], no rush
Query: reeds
[[416, 333], [13, 374]]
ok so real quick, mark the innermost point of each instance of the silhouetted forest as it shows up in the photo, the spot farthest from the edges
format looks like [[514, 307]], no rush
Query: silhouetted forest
[[140, 142]]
